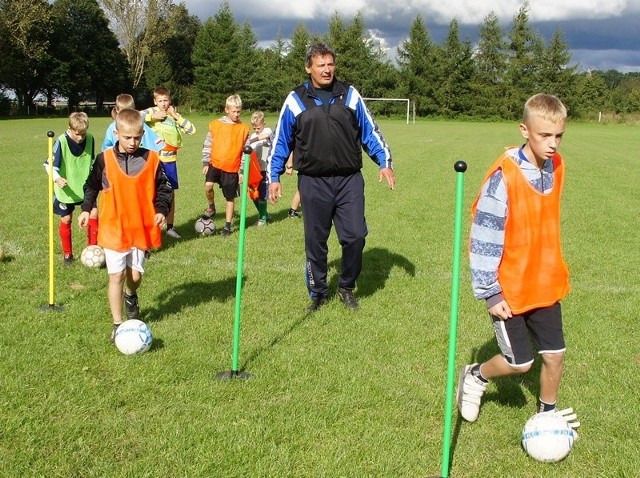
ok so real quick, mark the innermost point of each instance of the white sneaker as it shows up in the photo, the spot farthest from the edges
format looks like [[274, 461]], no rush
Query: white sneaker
[[469, 393], [173, 233]]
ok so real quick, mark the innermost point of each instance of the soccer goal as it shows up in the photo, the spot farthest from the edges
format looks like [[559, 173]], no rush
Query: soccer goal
[[407, 100]]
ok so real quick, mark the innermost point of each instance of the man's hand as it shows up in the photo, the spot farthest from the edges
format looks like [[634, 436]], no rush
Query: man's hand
[[387, 173], [275, 192]]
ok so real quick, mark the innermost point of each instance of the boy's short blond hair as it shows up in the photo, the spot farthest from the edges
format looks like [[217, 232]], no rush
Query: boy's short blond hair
[[130, 120], [233, 101], [123, 102], [79, 122], [545, 106], [162, 91], [257, 118]]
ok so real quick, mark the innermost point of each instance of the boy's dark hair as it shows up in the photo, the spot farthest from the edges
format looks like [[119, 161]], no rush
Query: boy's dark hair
[[318, 49]]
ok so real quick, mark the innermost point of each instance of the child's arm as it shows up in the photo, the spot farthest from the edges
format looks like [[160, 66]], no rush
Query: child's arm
[[487, 240], [164, 194], [183, 123], [57, 161], [92, 187], [206, 152]]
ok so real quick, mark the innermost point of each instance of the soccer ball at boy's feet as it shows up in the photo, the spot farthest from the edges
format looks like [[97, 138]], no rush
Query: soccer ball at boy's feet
[[133, 337], [93, 257], [205, 226], [548, 437]]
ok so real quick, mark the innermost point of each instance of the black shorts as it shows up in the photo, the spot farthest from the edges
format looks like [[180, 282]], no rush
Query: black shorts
[[541, 326], [228, 182]]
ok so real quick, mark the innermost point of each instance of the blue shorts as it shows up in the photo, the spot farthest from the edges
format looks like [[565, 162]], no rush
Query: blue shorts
[[171, 171], [541, 326], [64, 209]]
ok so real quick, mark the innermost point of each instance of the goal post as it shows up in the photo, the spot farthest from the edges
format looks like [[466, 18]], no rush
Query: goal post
[[407, 100]]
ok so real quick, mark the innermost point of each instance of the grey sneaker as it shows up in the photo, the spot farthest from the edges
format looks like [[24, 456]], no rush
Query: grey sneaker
[[347, 298], [210, 211], [173, 233], [261, 222], [226, 232], [469, 393], [68, 259], [131, 305]]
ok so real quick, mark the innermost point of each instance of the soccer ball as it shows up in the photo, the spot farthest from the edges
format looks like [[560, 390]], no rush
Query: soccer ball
[[92, 256], [547, 437], [205, 226], [133, 337]]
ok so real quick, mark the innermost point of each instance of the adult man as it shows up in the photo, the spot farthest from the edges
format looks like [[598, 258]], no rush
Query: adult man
[[326, 124]]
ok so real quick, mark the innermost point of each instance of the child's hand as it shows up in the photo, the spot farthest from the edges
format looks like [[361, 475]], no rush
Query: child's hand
[[159, 115], [83, 220], [205, 168], [159, 219], [61, 182], [240, 178], [171, 111]]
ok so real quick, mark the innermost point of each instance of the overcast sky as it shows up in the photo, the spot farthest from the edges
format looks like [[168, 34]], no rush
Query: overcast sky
[[602, 34]]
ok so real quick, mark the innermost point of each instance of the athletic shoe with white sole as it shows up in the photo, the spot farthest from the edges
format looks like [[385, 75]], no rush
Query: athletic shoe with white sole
[[469, 393], [173, 233]]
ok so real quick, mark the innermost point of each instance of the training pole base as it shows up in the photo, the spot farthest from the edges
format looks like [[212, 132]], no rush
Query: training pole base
[[232, 375], [52, 308]]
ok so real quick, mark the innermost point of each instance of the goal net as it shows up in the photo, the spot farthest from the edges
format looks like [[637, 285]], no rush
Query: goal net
[[404, 100]]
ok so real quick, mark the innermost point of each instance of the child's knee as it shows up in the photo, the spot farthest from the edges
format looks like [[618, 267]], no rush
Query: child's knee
[[553, 359]]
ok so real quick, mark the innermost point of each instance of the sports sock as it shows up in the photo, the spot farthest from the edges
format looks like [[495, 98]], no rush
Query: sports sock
[[262, 209], [545, 407], [65, 237], [475, 371], [169, 226], [92, 232]]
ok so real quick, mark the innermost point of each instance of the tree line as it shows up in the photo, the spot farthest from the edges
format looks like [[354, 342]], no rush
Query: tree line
[[70, 49]]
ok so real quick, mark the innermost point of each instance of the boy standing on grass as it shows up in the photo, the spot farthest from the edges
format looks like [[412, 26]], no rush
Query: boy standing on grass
[[150, 140], [165, 120], [135, 200], [73, 155], [260, 140], [222, 158], [516, 260]]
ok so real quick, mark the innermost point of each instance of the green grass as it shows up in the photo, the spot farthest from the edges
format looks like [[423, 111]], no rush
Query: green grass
[[336, 394]]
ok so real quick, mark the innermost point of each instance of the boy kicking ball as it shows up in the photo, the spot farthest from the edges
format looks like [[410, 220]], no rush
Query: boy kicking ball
[[135, 200], [516, 260]]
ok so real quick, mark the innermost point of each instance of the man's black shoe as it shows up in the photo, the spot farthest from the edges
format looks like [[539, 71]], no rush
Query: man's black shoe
[[316, 304], [347, 298]]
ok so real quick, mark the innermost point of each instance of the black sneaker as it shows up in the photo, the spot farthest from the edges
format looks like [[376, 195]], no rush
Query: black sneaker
[[226, 231], [68, 259], [131, 306], [293, 214], [347, 298], [316, 304], [113, 332]]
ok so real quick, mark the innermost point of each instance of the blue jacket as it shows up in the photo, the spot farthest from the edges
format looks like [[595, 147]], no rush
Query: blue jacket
[[326, 139], [150, 140]]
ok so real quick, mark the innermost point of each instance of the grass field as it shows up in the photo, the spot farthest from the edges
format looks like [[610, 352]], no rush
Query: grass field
[[335, 394]]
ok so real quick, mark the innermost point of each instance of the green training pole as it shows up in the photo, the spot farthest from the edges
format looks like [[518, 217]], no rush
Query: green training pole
[[460, 167], [51, 306], [234, 372]]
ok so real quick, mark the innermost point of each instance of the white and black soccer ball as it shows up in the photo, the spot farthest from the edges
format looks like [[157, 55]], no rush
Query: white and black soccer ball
[[547, 437], [205, 226], [133, 337], [93, 257]]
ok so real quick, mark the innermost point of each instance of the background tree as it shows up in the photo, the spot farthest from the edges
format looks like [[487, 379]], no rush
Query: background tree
[[136, 24], [556, 75], [88, 63], [456, 71], [490, 61], [523, 75], [25, 48], [417, 57], [170, 63]]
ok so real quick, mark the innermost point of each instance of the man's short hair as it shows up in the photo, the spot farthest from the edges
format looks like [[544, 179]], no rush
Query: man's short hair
[[318, 49]]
